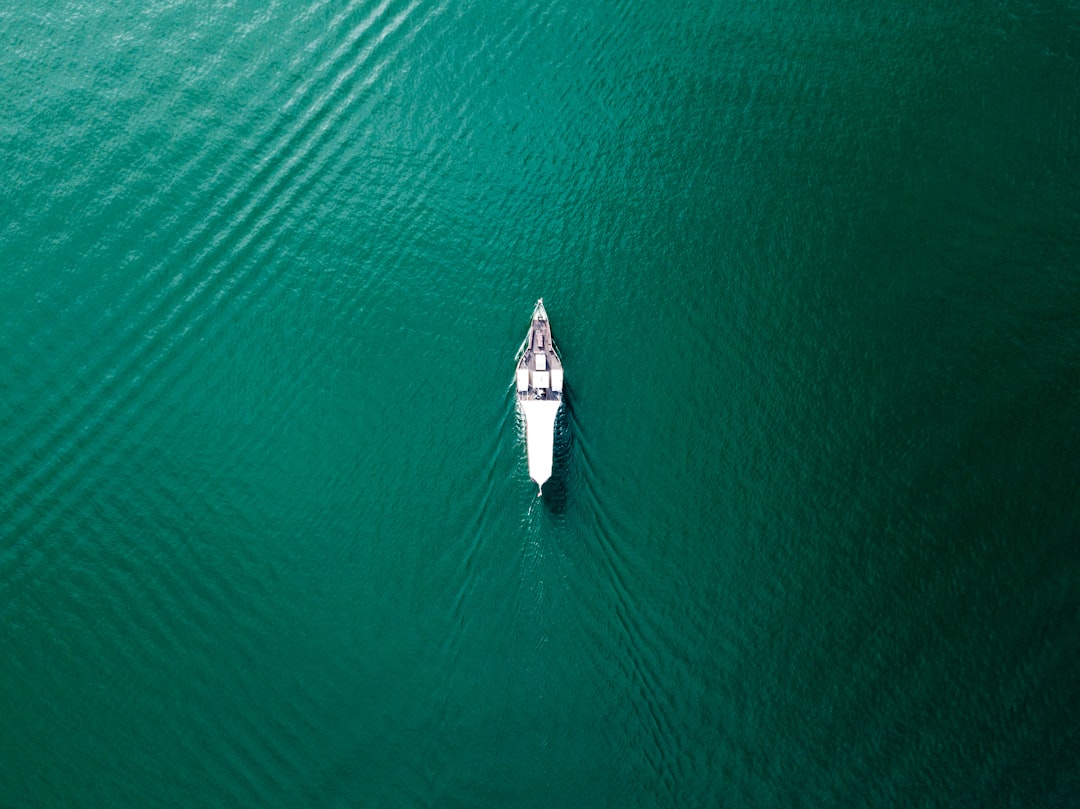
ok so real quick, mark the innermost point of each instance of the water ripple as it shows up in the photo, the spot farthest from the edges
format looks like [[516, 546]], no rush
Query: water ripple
[[181, 300]]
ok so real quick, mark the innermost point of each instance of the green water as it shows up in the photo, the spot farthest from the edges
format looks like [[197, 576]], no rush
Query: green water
[[267, 537]]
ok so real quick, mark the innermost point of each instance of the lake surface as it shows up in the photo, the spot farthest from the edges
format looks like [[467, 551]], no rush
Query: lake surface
[[267, 537]]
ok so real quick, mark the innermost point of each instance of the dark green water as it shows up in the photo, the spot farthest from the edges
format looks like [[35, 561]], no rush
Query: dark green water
[[267, 537]]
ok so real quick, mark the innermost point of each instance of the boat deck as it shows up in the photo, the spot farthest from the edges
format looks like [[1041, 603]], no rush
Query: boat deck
[[537, 343]]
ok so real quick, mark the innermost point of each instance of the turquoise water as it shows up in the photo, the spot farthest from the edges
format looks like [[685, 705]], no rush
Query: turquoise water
[[267, 536]]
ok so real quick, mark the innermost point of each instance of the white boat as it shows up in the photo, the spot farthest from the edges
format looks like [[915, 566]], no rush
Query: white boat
[[539, 394]]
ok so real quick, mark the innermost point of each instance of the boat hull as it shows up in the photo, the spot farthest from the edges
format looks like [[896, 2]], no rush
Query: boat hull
[[540, 438]]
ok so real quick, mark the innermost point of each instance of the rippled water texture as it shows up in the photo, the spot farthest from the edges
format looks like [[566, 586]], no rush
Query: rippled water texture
[[267, 537]]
